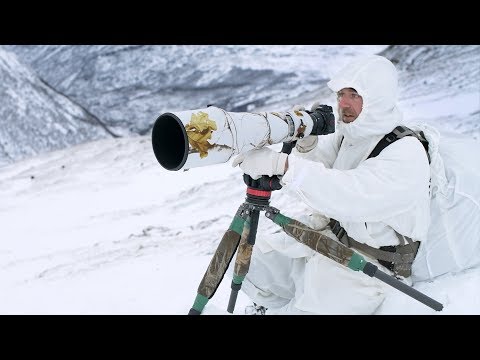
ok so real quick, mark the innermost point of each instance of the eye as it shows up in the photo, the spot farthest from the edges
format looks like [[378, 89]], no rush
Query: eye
[[351, 96]]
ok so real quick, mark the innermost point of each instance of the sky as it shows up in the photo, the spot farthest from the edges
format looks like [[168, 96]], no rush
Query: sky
[[102, 228]]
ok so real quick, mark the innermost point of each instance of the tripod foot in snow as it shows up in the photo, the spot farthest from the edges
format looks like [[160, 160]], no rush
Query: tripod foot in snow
[[255, 309]]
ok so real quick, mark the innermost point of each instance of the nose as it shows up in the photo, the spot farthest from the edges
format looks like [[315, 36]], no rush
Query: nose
[[343, 102]]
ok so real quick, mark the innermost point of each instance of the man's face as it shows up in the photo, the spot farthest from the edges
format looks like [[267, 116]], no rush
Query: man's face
[[349, 104]]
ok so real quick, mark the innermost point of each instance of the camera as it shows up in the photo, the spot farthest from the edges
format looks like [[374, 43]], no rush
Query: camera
[[324, 120], [208, 136]]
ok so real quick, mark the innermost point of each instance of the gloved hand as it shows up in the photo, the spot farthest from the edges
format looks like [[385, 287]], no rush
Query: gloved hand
[[309, 142], [264, 161], [283, 115], [298, 108]]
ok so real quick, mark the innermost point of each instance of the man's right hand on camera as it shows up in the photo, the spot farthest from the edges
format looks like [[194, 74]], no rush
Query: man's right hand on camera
[[283, 115], [309, 142]]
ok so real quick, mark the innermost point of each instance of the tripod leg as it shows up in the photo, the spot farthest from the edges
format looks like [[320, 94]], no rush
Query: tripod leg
[[244, 255], [219, 264], [344, 255]]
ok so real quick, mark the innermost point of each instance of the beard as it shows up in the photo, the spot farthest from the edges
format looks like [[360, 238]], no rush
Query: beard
[[346, 115]]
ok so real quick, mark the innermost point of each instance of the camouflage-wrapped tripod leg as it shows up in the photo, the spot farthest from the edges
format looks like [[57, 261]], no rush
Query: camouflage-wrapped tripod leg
[[317, 241], [343, 255], [242, 262], [219, 264]]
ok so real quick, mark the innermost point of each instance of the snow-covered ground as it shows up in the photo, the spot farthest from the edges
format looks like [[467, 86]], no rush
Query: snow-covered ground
[[102, 228]]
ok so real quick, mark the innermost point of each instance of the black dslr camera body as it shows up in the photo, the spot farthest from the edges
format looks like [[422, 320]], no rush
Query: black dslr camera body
[[323, 119]]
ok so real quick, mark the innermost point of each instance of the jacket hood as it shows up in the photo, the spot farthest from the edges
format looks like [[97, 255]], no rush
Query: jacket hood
[[375, 79]]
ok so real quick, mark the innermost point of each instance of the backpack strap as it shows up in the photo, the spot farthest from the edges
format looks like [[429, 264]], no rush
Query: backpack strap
[[398, 133]]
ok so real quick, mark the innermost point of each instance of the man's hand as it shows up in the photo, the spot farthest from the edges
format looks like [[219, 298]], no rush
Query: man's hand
[[283, 115], [264, 161], [308, 143]]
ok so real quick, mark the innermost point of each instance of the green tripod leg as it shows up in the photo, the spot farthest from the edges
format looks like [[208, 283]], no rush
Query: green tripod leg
[[344, 255], [244, 255], [219, 264]]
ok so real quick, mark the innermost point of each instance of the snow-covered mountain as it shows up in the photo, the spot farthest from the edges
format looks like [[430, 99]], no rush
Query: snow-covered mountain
[[35, 118], [440, 85], [128, 87]]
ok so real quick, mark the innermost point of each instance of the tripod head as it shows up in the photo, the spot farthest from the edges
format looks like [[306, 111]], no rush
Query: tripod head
[[269, 183], [265, 183]]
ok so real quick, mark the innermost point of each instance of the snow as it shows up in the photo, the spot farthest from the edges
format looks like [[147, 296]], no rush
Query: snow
[[73, 236], [102, 228]]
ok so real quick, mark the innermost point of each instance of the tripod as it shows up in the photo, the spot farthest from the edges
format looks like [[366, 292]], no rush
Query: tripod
[[241, 235], [257, 200]]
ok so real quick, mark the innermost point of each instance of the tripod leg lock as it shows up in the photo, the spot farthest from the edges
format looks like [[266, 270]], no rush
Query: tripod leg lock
[[235, 286], [271, 212]]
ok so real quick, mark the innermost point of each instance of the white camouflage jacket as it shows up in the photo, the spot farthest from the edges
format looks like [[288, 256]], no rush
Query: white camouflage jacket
[[371, 198]]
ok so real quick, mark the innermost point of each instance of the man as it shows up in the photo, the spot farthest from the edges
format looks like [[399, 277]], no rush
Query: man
[[376, 200]]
